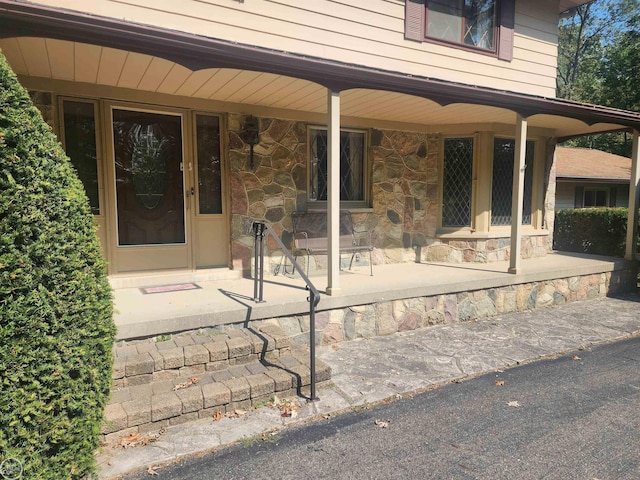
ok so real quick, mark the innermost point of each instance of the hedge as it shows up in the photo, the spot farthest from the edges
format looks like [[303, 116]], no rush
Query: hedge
[[599, 231], [56, 326]]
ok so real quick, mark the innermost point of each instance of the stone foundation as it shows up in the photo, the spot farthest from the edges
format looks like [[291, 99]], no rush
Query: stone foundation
[[385, 318]]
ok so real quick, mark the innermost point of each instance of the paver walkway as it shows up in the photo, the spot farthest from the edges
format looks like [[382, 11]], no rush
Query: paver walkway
[[366, 371]]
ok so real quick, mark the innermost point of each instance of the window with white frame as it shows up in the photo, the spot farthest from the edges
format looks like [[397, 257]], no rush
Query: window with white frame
[[352, 165]]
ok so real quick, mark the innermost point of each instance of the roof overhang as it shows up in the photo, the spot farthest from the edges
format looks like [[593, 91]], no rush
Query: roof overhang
[[198, 52], [571, 4]]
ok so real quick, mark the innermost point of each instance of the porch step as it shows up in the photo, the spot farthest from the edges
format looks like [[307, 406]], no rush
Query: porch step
[[164, 382]]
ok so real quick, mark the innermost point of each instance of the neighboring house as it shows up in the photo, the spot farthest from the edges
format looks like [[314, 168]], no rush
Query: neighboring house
[[188, 120], [591, 178]]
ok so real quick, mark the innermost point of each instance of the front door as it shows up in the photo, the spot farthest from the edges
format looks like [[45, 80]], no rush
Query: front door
[[151, 221]]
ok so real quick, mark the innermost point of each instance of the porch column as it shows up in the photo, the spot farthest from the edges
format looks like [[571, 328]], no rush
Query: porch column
[[333, 192], [634, 190], [518, 193]]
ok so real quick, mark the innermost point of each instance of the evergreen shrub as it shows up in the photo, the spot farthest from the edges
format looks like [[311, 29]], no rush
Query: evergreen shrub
[[598, 231], [56, 326]]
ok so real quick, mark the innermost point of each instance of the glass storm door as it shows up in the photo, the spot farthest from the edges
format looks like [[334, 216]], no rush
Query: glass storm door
[[151, 223]]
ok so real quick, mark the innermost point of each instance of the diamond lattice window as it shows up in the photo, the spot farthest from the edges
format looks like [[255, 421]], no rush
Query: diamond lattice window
[[502, 184], [456, 185], [352, 155], [469, 22]]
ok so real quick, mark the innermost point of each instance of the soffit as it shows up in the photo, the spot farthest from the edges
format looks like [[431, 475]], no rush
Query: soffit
[[93, 64], [568, 4]]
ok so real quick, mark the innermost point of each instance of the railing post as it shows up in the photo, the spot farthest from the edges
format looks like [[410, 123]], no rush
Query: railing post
[[260, 230], [258, 263], [312, 344]]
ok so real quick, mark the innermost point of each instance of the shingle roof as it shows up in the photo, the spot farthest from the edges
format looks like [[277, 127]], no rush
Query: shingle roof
[[588, 163]]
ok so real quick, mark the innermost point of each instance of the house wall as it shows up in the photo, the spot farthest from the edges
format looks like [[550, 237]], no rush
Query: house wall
[[402, 218], [403, 177], [363, 32], [565, 196]]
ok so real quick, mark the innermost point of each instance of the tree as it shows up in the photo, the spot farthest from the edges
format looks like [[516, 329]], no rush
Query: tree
[[56, 326], [598, 62]]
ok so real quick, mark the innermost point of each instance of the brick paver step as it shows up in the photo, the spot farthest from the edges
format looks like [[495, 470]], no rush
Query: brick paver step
[[181, 394], [144, 361]]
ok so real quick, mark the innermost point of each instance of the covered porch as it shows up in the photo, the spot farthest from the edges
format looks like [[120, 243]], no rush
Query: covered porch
[[439, 164], [398, 297]]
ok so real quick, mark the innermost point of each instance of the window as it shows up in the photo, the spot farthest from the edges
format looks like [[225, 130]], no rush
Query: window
[[209, 171], [352, 165], [483, 25], [477, 184], [502, 182], [457, 182], [596, 197], [470, 22], [79, 124]]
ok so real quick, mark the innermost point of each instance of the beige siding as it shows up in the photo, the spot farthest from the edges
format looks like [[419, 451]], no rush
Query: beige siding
[[366, 32]]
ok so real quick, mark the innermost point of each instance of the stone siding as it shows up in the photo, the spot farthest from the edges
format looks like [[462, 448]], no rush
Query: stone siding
[[404, 189], [385, 318]]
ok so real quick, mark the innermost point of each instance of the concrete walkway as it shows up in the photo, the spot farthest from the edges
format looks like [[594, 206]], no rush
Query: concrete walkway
[[368, 371]]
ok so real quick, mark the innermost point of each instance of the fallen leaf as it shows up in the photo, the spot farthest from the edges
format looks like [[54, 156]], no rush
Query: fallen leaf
[[137, 440], [188, 383], [576, 357], [152, 470], [217, 416], [499, 383], [129, 439], [237, 413], [335, 347], [382, 423], [513, 404]]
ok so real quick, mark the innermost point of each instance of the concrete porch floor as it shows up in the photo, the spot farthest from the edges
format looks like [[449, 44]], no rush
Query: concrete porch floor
[[230, 300]]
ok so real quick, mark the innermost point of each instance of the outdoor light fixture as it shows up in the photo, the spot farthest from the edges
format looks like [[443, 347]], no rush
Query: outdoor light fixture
[[251, 134]]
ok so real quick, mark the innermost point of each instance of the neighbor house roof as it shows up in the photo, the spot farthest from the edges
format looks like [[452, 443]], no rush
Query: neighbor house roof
[[589, 164]]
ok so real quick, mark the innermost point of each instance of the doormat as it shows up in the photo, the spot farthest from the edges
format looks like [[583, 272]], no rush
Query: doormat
[[178, 287]]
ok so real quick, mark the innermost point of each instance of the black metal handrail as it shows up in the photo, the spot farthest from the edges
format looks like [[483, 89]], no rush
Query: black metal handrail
[[260, 230]]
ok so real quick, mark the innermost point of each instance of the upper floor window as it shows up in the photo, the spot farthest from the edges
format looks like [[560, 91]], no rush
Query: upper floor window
[[483, 25], [352, 165], [470, 22]]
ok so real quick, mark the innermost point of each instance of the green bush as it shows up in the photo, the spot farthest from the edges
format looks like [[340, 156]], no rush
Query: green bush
[[599, 231], [56, 326]]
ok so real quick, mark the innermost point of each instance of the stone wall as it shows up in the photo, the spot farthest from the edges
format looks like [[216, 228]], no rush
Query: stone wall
[[44, 102], [482, 251], [403, 212], [385, 318]]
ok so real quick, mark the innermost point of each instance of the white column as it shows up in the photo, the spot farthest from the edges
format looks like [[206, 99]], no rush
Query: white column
[[634, 190], [333, 192], [518, 193]]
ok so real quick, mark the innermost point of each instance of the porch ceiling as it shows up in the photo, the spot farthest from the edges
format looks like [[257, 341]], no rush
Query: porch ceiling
[[93, 64]]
